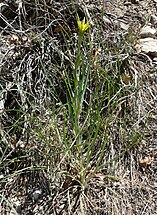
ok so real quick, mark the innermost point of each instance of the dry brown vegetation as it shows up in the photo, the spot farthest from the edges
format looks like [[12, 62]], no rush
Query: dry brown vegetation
[[60, 157]]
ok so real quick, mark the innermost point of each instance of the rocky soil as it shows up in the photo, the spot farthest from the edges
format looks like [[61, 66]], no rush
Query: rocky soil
[[134, 191]]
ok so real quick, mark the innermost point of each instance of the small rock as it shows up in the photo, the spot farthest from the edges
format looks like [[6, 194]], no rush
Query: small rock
[[155, 59], [147, 31], [149, 46], [36, 195], [153, 19]]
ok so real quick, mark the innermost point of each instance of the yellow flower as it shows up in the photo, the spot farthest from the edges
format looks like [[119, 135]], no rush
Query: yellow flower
[[82, 26]]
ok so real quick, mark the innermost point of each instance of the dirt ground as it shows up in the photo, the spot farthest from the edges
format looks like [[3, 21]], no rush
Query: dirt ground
[[134, 189]]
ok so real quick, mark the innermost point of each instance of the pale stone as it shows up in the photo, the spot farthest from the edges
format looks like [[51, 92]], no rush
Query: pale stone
[[147, 31], [155, 59], [149, 46]]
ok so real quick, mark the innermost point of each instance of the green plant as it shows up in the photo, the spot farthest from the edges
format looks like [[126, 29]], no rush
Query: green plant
[[76, 97]]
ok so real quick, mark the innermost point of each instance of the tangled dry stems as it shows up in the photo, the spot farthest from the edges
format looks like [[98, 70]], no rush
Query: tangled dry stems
[[36, 39]]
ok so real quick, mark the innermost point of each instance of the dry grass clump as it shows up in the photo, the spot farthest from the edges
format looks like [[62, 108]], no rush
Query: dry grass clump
[[73, 112]]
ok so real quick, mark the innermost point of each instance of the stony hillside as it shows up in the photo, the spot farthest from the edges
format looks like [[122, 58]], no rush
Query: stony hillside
[[39, 172]]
